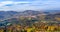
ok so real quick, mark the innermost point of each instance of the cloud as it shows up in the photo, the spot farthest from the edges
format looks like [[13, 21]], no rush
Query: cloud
[[12, 3], [29, 4], [5, 2]]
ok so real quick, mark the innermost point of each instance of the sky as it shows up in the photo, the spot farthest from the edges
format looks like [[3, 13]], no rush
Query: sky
[[21, 5]]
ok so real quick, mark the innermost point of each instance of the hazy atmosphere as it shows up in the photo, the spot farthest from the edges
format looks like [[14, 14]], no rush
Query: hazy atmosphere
[[18, 5]]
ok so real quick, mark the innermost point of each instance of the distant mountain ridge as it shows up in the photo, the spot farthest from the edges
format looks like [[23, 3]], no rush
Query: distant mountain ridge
[[6, 14], [53, 11], [9, 14]]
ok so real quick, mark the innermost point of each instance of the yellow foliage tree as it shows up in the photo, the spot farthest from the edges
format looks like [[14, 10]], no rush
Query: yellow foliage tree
[[1, 30], [57, 18], [30, 29], [51, 28]]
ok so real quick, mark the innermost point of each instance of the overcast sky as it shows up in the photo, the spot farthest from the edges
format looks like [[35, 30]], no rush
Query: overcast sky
[[20, 5]]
